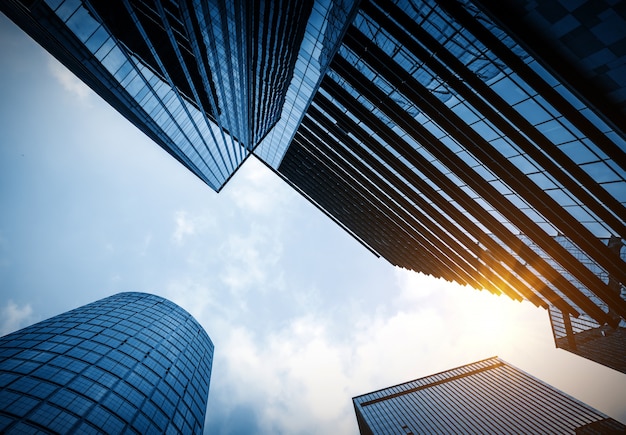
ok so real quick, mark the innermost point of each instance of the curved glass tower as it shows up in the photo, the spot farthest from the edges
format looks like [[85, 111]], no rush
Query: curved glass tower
[[478, 141], [132, 362]]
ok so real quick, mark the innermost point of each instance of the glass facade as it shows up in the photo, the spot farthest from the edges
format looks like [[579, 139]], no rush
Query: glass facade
[[443, 145], [326, 26], [488, 396], [207, 81], [586, 39], [447, 136], [129, 363]]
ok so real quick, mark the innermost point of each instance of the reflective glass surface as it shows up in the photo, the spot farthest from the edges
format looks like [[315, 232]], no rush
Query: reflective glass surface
[[444, 146], [488, 396], [133, 362]]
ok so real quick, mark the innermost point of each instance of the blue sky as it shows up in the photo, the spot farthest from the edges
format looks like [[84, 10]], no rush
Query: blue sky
[[303, 318]]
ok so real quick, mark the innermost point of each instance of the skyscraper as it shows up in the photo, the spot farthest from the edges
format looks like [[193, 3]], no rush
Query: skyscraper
[[207, 81], [488, 396], [443, 135], [443, 141], [129, 362]]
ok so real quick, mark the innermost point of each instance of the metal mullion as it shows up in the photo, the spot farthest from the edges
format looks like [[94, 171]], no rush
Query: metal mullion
[[477, 145], [518, 138], [356, 226], [372, 199], [416, 159], [531, 77], [543, 393], [580, 177], [127, 108], [393, 415], [261, 69], [205, 75], [169, 82], [419, 133], [243, 37], [201, 13], [421, 204], [504, 413], [497, 163], [461, 415], [170, 34], [529, 382], [388, 230], [390, 402], [436, 379], [448, 245], [257, 66], [377, 180], [546, 395], [416, 214], [499, 13], [487, 426], [517, 394], [313, 202], [231, 113], [348, 204], [508, 396], [428, 416]]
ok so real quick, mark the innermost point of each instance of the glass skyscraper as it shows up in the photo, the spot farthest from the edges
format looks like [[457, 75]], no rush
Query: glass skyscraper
[[207, 81], [488, 396], [132, 362], [444, 141], [450, 137]]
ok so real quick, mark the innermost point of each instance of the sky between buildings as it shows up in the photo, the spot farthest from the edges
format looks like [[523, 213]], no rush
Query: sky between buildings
[[303, 317]]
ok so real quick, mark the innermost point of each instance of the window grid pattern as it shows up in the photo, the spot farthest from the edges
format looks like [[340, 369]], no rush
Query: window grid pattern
[[588, 338], [130, 362], [456, 400], [503, 192], [322, 37], [206, 81]]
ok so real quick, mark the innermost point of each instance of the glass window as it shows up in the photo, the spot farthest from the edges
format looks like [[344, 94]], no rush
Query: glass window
[[97, 39], [532, 111], [556, 132], [542, 180], [113, 61], [44, 414], [509, 91], [67, 8], [21, 406], [82, 24], [523, 164], [578, 152], [600, 172]]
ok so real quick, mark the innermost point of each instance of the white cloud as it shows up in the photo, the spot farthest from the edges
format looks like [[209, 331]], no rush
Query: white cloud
[[300, 378], [144, 246], [68, 81], [251, 260], [187, 225], [259, 191], [196, 298], [415, 287], [14, 317], [184, 227], [291, 375]]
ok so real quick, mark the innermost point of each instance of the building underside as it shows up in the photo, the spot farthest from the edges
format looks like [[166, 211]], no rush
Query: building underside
[[450, 137], [445, 145]]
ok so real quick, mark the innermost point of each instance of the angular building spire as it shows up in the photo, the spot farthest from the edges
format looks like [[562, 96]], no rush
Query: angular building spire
[[446, 136]]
